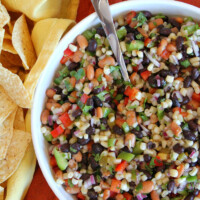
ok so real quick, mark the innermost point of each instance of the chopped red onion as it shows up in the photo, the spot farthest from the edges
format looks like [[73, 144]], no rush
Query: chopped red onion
[[74, 106], [167, 119], [50, 120], [195, 48], [90, 85], [165, 135], [175, 60], [54, 117], [146, 123], [68, 63], [76, 133], [141, 196], [57, 111], [158, 83], [91, 60], [92, 121], [182, 186], [144, 129], [140, 66], [89, 182], [107, 98], [139, 61], [153, 60], [92, 179], [192, 154]]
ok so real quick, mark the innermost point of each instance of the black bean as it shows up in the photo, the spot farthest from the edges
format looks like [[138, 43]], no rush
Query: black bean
[[192, 125], [117, 130], [92, 45], [185, 100], [85, 176], [184, 52], [175, 102], [190, 150], [65, 147], [111, 198], [192, 164], [90, 130], [90, 102], [174, 23], [189, 135], [171, 185], [189, 197], [92, 194], [75, 148], [160, 168], [100, 31], [129, 37], [198, 80], [76, 113], [179, 43], [164, 73], [83, 141], [129, 29], [149, 176], [97, 102], [96, 90], [94, 164], [97, 148], [132, 184], [151, 145], [147, 14], [85, 158], [178, 148], [138, 134], [145, 61], [73, 66], [174, 69], [147, 158], [194, 73], [121, 89], [104, 121], [187, 82], [64, 97], [126, 149], [58, 89], [165, 31]]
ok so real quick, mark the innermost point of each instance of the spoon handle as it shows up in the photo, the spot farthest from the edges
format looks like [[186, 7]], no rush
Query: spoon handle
[[103, 11]]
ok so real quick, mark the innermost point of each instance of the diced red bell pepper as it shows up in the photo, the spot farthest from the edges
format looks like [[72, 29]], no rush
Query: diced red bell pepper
[[57, 131], [147, 41], [65, 119], [115, 186], [68, 52], [115, 101], [127, 196], [145, 75], [130, 16], [53, 162], [80, 196], [55, 125], [64, 59], [135, 69], [196, 96], [125, 101], [158, 162], [165, 54], [84, 98], [121, 166], [131, 92]]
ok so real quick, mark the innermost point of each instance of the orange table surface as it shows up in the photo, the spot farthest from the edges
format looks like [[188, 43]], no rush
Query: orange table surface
[[39, 189]]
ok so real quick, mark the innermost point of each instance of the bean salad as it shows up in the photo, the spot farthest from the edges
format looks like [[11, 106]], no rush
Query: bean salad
[[116, 140]]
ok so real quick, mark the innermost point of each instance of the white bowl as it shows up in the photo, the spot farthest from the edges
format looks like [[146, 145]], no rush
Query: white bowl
[[40, 145]]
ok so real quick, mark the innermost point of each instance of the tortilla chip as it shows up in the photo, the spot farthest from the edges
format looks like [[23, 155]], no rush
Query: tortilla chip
[[14, 88], [2, 32], [22, 43], [6, 105], [52, 38], [16, 150], [6, 130], [1, 193], [23, 74], [5, 18], [42, 9], [7, 46], [19, 122], [10, 60]]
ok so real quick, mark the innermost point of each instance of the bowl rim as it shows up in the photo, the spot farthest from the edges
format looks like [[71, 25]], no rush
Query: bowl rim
[[70, 33]]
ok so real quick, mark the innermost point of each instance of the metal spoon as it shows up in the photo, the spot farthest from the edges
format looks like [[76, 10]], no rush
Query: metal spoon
[[103, 11]]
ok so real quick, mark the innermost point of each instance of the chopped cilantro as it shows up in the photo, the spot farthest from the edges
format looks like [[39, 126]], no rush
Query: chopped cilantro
[[132, 107], [98, 178], [86, 109], [121, 33], [144, 104], [79, 74], [139, 187], [152, 164], [102, 127], [114, 68], [143, 116], [101, 95], [70, 183], [139, 36], [127, 83], [68, 85], [191, 29], [154, 23], [97, 157], [99, 79], [82, 62], [160, 15], [111, 169], [73, 150], [119, 97], [140, 18]]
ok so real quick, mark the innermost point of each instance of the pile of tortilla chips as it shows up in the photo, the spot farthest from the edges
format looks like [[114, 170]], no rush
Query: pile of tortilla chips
[[29, 32]]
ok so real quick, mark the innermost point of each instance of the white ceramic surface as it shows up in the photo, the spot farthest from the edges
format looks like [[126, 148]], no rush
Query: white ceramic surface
[[40, 145]]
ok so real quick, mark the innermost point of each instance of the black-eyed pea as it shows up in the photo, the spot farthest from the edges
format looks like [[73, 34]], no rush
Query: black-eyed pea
[[44, 116]]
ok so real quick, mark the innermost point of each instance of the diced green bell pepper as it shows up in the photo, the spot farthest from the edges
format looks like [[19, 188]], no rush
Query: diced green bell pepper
[[60, 159], [111, 142], [64, 72], [88, 34], [106, 111], [185, 63], [182, 157], [135, 45], [126, 156], [160, 112], [102, 94], [125, 127], [192, 28], [48, 137], [136, 149], [191, 179], [121, 33], [58, 80]]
